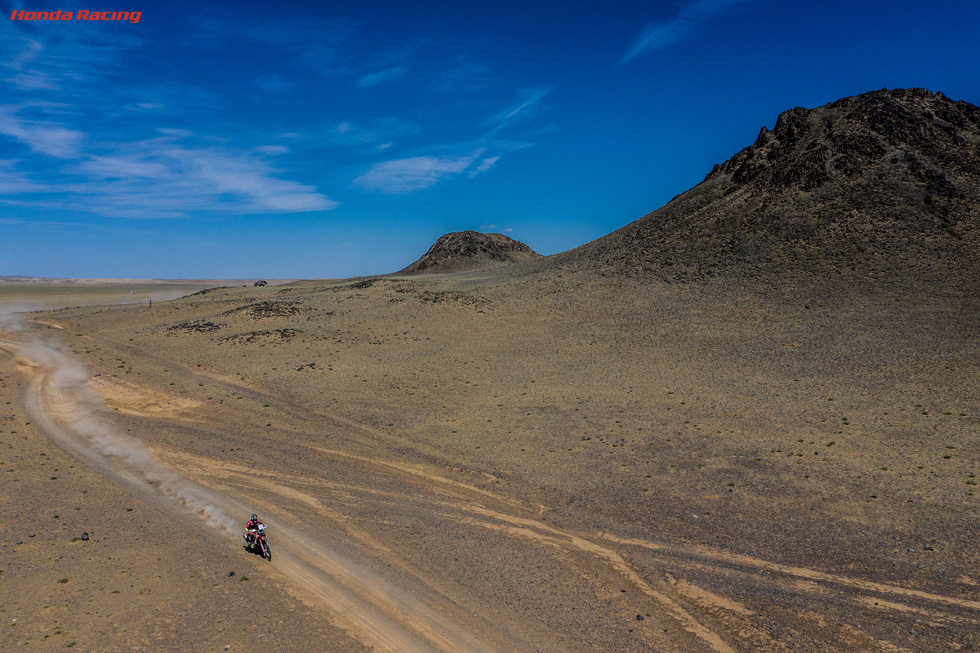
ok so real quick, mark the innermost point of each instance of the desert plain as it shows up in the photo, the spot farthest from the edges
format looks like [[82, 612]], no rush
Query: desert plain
[[525, 458]]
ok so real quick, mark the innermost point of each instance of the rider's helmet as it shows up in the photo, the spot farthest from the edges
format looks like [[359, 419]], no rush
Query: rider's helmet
[[254, 517]]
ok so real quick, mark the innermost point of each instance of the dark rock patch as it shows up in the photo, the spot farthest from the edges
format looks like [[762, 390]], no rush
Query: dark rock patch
[[194, 327], [269, 309], [273, 335]]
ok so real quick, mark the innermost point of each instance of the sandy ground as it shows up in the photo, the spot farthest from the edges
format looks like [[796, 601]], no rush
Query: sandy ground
[[516, 462]]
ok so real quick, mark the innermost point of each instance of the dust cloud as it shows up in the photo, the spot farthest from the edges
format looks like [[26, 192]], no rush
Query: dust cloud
[[80, 411]]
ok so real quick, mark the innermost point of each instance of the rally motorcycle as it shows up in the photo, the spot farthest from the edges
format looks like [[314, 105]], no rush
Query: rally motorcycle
[[256, 542]]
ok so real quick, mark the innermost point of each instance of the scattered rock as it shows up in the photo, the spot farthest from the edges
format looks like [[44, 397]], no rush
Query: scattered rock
[[640, 617], [85, 537], [275, 335], [262, 310], [194, 327], [230, 574], [808, 196]]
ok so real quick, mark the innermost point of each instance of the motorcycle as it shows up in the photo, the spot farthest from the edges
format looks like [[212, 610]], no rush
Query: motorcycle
[[257, 543]]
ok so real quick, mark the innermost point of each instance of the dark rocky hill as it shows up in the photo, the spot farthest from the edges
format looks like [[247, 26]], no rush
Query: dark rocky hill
[[883, 183], [470, 250]]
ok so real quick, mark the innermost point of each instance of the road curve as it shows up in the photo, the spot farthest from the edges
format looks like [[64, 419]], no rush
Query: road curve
[[368, 607]]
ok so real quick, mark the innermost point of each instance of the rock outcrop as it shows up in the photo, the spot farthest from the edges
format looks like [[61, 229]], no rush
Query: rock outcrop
[[883, 183], [470, 250]]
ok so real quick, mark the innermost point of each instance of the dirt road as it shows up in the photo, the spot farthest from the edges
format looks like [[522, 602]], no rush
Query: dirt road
[[329, 553]]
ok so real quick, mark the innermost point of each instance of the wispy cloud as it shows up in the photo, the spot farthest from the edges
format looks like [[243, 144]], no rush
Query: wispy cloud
[[41, 137], [527, 105], [70, 61], [488, 227], [372, 135], [658, 36], [469, 159], [142, 166], [272, 150], [416, 173], [162, 179], [386, 75], [485, 165], [145, 106], [15, 182]]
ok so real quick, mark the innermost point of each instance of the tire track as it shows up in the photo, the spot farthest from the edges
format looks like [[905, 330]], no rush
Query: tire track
[[357, 600], [389, 612]]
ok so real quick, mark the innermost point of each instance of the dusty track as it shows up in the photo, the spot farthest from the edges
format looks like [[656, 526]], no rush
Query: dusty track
[[357, 600], [403, 610]]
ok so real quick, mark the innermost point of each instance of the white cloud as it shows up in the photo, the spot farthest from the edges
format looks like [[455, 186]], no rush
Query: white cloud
[[415, 173], [130, 168], [109, 167], [488, 227], [659, 36], [41, 137], [272, 150], [485, 165], [14, 182], [176, 133], [381, 76], [251, 183], [145, 106], [70, 61], [163, 180], [377, 134], [528, 104]]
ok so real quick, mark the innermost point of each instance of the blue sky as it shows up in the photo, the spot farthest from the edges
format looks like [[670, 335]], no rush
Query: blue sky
[[334, 139]]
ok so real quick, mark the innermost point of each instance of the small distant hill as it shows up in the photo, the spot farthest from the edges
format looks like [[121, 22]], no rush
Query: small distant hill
[[470, 250], [884, 183]]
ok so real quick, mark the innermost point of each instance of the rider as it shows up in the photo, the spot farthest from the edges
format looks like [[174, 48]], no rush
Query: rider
[[251, 526]]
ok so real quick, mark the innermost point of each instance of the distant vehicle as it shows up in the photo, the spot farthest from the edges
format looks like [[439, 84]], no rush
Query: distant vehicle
[[259, 284]]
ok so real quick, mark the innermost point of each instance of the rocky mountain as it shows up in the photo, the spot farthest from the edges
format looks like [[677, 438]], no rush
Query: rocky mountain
[[882, 183], [470, 250]]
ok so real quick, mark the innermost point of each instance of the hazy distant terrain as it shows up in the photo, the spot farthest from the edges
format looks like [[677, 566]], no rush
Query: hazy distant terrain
[[31, 293]]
